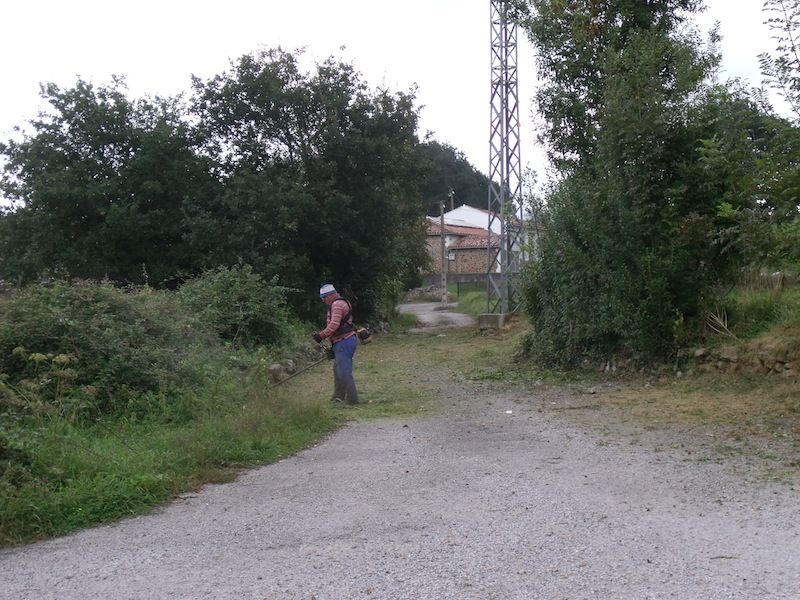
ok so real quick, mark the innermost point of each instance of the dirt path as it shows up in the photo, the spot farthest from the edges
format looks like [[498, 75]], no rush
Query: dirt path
[[435, 315], [499, 494]]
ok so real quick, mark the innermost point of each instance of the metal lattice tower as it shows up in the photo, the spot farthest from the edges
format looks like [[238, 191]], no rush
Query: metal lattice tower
[[505, 166]]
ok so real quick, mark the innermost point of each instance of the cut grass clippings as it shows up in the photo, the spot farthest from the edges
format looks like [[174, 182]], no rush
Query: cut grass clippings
[[761, 405], [716, 418]]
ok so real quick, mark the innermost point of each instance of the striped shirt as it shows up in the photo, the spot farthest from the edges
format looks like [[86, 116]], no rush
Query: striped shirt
[[336, 312]]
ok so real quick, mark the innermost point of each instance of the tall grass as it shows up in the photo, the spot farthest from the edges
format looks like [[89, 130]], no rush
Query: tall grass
[[71, 475], [471, 297], [112, 400], [752, 311]]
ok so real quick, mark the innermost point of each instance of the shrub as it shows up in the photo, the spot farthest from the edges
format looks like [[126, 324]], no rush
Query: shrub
[[238, 304], [90, 348], [600, 286]]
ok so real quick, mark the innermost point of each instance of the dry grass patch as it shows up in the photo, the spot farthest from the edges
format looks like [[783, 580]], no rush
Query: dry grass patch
[[718, 399], [719, 418]]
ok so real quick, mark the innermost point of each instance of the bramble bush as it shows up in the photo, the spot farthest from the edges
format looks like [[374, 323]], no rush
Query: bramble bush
[[86, 348], [238, 304], [112, 400]]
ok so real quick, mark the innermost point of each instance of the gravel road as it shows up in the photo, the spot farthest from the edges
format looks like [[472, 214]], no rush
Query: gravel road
[[433, 315], [497, 496]]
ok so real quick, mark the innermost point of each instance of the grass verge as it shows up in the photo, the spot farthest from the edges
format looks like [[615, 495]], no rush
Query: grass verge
[[69, 475], [745, 405], [471, 297], [78, 476]]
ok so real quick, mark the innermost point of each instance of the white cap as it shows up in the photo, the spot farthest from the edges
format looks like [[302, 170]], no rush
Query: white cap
[[326, 290]]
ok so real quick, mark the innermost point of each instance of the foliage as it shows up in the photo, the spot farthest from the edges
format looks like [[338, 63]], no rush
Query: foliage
[[782, 72], [112, 400], [754, 311], [83, 349], [309, 177], [575, 44], [669, 186], [447, 170], [780, 168], [321, 177], [238, 304], [747, 171], [624, 256], [57, 476], [471, 298], [101, 186]]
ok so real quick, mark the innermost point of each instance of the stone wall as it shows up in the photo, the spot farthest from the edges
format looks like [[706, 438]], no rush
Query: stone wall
[[435, 252], [469, 260], [758, 358], [466, 260]]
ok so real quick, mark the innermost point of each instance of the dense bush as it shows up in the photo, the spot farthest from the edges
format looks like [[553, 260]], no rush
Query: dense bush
[[633, 242], [91, 348], [112, 399], [238, 304]]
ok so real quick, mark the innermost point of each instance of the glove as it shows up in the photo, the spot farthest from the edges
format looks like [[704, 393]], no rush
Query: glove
[[317, 338]]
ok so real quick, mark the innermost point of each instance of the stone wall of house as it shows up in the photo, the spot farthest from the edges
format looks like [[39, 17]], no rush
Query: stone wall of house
[[465, 260], [435, 252], [469, 260]]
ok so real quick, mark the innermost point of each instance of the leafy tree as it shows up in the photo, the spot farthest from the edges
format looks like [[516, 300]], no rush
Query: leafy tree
[[445, 170], [743, 177], [309, 177], [575, 39], [783, 71], [781, 172], [101, 185], [321, 177], [625, 254]]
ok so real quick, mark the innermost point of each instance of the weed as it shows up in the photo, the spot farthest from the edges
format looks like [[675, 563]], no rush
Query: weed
[[70, 475], [403, 322], [754, 311], [472, 302]]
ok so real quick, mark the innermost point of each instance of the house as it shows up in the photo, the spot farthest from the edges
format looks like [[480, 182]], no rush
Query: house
[[465, 248], [469, 216], [466, 239]]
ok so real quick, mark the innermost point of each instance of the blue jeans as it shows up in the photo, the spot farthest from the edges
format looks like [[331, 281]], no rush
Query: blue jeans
[[344, 384]]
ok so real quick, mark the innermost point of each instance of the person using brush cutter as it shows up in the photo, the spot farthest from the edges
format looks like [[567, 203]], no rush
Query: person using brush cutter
[[342, 333]]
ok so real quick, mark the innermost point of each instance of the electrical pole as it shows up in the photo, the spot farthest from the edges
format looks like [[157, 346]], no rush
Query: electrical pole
[[505, 171], [444, 249]]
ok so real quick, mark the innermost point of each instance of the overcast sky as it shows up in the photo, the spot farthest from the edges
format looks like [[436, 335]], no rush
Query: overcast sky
[[442, 46]]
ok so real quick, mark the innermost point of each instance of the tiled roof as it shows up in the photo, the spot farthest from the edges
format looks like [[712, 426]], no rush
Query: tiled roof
[[434, 228], [474, 241]]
